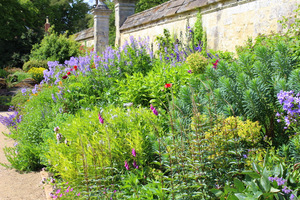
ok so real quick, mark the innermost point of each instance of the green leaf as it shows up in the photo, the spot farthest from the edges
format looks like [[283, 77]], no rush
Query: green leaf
[[216, 192], [241, 196], [274, 190], [239, 185], [265, 183]]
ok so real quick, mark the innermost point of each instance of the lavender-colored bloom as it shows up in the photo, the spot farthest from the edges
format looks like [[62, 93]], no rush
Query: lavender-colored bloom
[[126, 165], [245, 156], [280, 181], [292, 197], [286, 190], [24, 90], [15, 144], [53, 98]]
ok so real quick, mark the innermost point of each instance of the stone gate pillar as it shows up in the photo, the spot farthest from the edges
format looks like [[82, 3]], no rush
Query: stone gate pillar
[[101, 26], [123, 9]]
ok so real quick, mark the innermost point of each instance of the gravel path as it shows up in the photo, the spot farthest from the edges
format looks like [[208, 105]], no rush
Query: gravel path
[[13, 185]]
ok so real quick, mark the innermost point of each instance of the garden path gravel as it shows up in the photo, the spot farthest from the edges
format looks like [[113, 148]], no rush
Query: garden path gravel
[[14, 185]]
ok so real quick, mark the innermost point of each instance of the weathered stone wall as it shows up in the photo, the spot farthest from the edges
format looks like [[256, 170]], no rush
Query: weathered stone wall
[[227, 22]]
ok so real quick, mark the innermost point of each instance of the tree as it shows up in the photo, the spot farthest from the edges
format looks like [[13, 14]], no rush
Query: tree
[[146, 4], [23, 25]]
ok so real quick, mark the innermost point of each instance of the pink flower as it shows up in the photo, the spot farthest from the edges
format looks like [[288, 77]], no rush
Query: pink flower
[[100, 119], [151, 107], [215, 64], [133, 152], [126, 165], [135, 165], [189, 71], [78, 194]]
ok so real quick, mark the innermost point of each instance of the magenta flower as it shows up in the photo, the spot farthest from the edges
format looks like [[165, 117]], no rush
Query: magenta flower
[[100, 119], [151, 107], [135, 165], [189, 71], [133, 152], [155, 111], [126, 165], [78, 194]]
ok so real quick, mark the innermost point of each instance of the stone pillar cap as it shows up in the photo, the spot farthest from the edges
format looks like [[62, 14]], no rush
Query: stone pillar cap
[[101, 6]]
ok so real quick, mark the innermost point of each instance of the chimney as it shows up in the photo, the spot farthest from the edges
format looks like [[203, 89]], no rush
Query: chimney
[[123, 9], [47, 25]]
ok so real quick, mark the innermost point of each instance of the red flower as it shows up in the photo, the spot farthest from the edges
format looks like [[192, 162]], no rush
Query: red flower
[[68, 73], [168, 85], [215, 64], [64, 77], [71, 69], [75, 67]]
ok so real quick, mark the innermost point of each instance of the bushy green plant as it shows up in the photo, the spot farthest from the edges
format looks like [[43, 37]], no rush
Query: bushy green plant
[[35, 63], [34, 120], [37, 73], [88, 147], [19, 99], [248, 87], [55, 47], [197, 63], [272, 179], [143, 89]]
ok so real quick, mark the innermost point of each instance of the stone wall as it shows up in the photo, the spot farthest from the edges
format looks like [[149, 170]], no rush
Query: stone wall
[[227, 22]]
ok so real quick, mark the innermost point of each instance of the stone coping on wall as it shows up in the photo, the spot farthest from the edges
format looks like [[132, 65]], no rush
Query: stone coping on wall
[[85, 34], [175, 7]]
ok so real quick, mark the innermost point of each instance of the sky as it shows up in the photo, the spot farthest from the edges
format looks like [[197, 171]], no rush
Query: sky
[[90, 2]]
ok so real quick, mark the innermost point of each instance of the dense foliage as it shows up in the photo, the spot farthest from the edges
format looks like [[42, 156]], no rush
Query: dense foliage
[[127, 125], [24, 25]]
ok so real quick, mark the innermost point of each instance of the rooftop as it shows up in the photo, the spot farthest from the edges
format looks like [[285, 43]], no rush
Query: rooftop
[[164, 10]]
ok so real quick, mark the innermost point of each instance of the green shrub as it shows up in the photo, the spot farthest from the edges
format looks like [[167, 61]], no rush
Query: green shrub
[[3, 73], [55, 47], [140, 89], [248, 87], [89, 150], [38, 113], [197, 63], [271, 179], [37, 73], [35, 63], [20, 99]]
